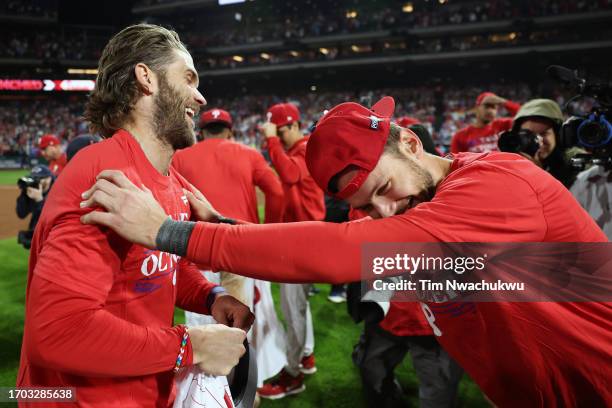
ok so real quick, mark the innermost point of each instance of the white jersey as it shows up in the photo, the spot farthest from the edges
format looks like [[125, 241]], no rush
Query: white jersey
[[593, 190]]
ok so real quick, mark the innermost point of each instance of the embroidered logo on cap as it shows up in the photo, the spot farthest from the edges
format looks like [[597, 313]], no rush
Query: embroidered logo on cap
[[374, 122], [216, 113]]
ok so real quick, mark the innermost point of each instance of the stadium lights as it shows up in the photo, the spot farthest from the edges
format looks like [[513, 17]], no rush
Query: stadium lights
[[351, 14], [294, 53], [408, 8], [324, 51], [355, 48], [313, 88], [237, 58], [81, 71], [265, 56], [512, 36], [442, 1]]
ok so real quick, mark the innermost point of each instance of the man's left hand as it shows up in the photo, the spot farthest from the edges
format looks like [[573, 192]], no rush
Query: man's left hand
[[229, 311], [268, 129]]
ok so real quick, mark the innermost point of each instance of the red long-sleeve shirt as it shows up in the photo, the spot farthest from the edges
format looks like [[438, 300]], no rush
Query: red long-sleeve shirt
[[483, 139], [304, 200], [402, 318], [99, 310], [227, 173], [520, 354], [58, 164]]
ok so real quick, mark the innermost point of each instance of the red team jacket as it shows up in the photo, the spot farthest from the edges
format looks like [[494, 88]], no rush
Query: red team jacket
[[99, 310], [479, 140], [520, 354], [56, 166], [304, 200], [225, 172], [402, 318]]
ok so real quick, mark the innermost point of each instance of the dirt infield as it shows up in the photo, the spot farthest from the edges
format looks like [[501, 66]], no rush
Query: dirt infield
[[9, 223]]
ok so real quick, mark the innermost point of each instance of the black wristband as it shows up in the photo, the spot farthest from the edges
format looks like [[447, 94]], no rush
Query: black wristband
[[173, 236]]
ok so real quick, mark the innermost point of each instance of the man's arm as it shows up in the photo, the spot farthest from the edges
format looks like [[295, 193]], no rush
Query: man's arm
[[196, 294], [296, 252], [71, 332], [24, 205], [193, 291], [289, 169], [267, 181], [512, 107]]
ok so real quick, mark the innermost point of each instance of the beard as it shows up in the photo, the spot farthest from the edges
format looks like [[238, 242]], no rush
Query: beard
[[424, 181], [169, 123]]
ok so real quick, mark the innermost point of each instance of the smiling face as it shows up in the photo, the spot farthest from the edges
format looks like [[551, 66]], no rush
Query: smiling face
[[177, 102], [486, 112], [399, 181], [544, 129]]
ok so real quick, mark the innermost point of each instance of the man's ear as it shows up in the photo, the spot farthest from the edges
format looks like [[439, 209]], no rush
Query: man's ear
[[146, 79], [410, 143]]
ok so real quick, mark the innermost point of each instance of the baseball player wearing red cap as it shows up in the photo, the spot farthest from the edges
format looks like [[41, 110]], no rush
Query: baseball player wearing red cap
[[227, 173], [304, 201], [99, 310], [520, 354], [51, 149], [483, 134]]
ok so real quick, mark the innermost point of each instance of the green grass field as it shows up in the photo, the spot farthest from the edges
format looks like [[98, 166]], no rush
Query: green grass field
[[10, 177], [336, 384]]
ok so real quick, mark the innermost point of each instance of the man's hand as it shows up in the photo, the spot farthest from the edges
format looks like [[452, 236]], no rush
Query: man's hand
[[494, 100], [268, 129], [216, 348], [230, 311], [133, 213], [200, 206], [35, 194]]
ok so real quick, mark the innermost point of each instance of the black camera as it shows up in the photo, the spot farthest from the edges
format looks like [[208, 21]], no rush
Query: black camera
[[519, 141], [590, 130], [26, 181]]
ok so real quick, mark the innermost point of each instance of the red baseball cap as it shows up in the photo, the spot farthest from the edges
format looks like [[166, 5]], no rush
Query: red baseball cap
[[406, 121], [48, 140], [349, 134], [482, 96], [283, 114], [215, 116]]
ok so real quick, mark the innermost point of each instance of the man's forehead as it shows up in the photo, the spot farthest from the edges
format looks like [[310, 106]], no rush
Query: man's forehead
[[184, 59]]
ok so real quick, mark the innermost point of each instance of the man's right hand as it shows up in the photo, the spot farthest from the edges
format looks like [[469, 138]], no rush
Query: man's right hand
[[35, 194], [216, 347]]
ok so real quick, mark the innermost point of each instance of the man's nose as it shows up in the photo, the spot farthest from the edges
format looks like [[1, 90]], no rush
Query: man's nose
[[200, 98]]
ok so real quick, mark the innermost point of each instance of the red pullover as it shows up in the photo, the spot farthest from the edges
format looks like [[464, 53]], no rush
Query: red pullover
[[58, 164], [304, 200], [99, 310], [520, 354], [483, 139], [227, 173]]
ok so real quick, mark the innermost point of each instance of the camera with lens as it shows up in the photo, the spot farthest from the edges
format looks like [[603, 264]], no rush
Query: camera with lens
[[519, 141], [590, 130], [27, 181]]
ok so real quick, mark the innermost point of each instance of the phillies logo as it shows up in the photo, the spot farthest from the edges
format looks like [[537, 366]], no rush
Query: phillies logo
[[159, 262], [216, 113]]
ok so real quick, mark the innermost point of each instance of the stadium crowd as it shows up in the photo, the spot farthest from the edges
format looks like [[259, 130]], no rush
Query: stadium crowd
[[443, 110], [313, 19]]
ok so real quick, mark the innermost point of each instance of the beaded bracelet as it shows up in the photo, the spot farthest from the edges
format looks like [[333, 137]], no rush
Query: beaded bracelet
[[179, 359]]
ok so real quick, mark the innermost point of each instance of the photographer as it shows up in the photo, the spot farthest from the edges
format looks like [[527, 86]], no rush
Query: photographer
[[34, 190], [535, 134]]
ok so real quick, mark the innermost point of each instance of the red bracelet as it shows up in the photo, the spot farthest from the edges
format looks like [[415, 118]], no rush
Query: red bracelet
[[179, 359]]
